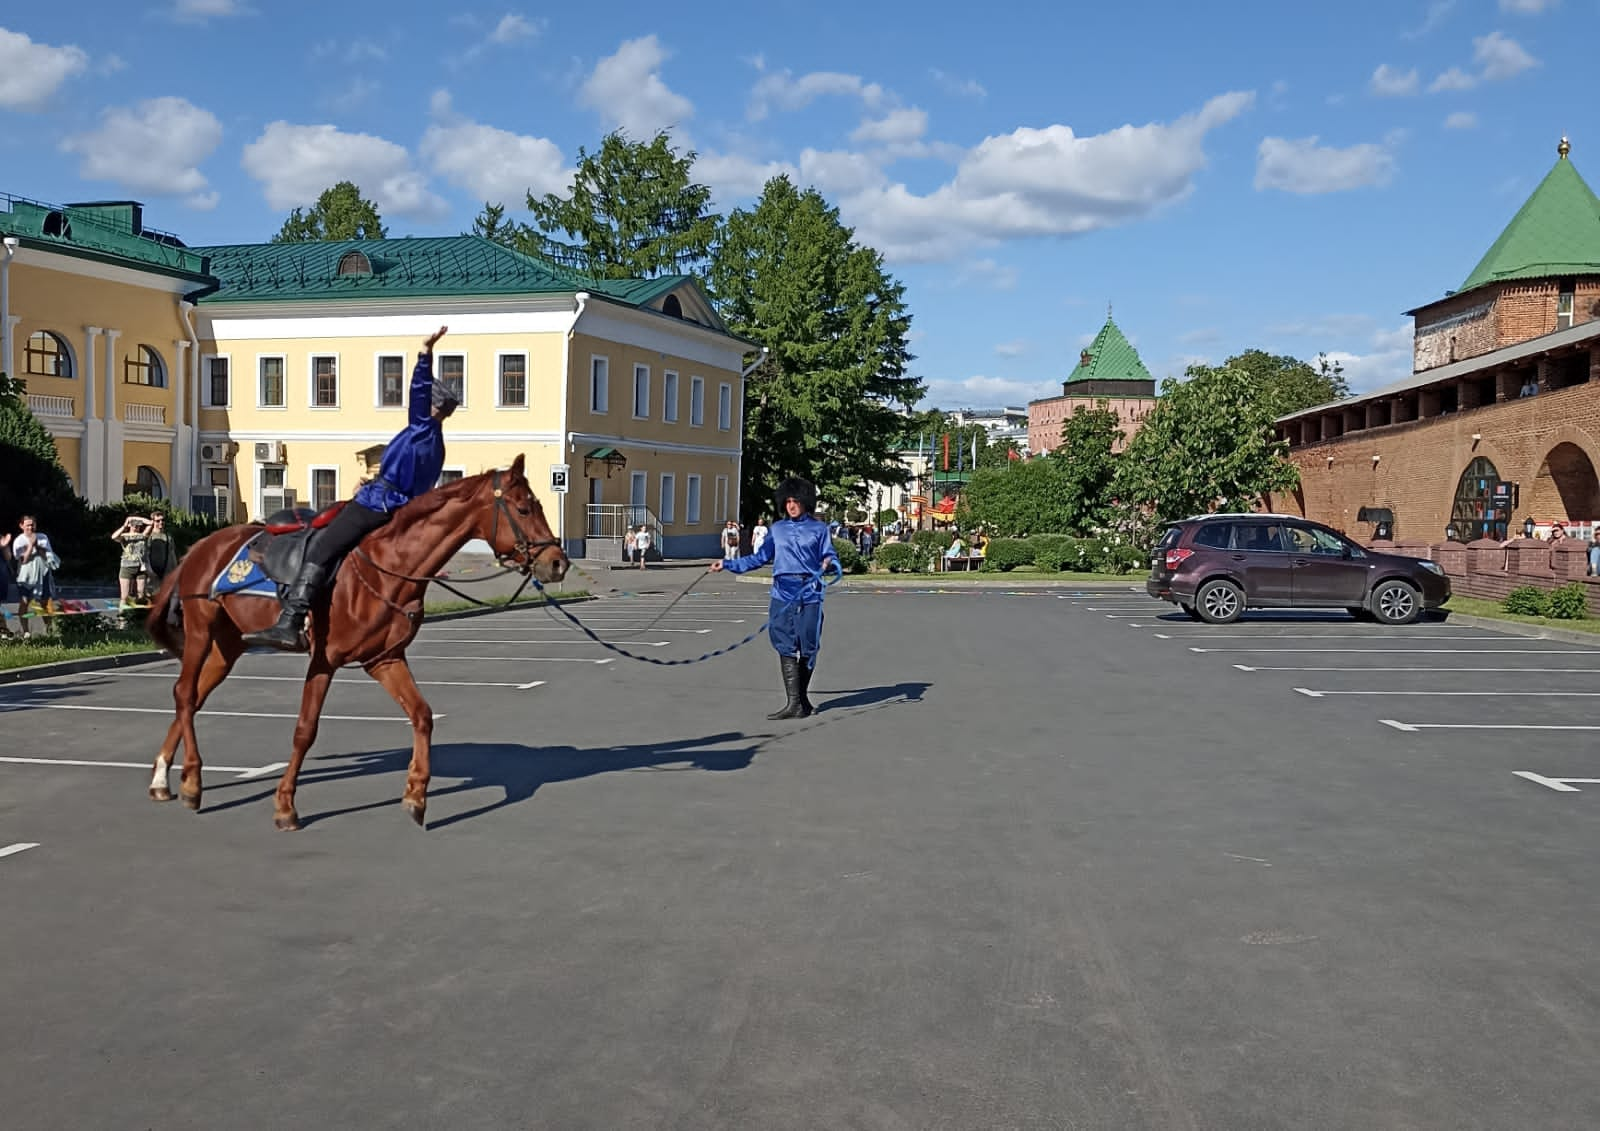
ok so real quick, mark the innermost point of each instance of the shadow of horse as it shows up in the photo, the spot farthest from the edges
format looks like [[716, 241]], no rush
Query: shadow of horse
[[910, 691], [517, 770]]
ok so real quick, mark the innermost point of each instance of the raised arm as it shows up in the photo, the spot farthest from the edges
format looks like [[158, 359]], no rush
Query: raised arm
[[422, 380]]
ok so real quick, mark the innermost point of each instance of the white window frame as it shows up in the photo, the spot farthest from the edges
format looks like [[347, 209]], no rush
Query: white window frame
[[438, 370], [599, 383], [697, 402], [721, 502], [667, 512], [283, 368], [499, 380], [205, 377], [724, 407], [691, 500], [311, 483], [641, 387], [643, 493], [311, 383], [377, 383], [669, 395], [261, 487]]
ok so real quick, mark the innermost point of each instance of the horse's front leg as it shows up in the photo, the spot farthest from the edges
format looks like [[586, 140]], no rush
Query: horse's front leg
[[395, 676], [318, 679]]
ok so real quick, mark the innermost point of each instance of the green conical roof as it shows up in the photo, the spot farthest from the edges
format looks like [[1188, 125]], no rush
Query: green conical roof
[[1110, 358], [1556, 232]]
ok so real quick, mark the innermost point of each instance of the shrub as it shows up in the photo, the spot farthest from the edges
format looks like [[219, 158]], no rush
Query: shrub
[[1051, 552], [1113, 554], [849, 557], [1570, 602], [1527, 601], [887, 516], [1006, 554], [899, 557]]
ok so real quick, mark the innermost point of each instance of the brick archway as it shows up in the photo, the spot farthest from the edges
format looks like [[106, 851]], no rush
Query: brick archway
[[1565, 486]]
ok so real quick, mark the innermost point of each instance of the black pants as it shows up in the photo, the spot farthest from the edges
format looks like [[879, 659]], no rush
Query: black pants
[[353, 523]]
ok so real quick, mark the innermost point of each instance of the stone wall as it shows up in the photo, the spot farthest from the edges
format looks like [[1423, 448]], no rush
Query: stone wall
[[1490, 570]]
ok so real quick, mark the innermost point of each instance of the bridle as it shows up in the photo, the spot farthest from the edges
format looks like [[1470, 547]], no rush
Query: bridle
[[524, 549]]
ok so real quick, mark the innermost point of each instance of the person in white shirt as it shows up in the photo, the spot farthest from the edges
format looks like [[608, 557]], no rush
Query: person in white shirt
[[758, 535], [33, 556], [730, 541], [641, 542]]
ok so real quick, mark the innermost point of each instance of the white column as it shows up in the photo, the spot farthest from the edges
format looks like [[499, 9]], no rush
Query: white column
[[178, 479], [113, 446], [12, 322], [92, 480]]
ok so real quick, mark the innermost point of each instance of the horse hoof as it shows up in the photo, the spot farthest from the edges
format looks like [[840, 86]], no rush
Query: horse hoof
[[161, 794], [417, 811], [191, 801], [289, 824]]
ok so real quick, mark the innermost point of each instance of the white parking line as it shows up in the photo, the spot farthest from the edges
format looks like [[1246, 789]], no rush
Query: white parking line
[[1427, 668], [1318, 694], [1325, 636], [22, 705], [517, 659], [13, 849], [1398, 725], [353, 681], [241, 771], [1424, 651], [553, 643], [1560, 785], [445, 628]]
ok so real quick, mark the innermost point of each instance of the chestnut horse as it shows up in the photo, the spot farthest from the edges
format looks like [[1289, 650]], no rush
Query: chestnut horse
[[371, 616]]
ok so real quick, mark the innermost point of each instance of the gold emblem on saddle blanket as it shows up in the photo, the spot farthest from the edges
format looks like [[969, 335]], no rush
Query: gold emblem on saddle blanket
[[240, 571]]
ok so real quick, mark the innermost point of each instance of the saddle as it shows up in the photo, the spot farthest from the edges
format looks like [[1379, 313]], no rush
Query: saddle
[[281, 547]]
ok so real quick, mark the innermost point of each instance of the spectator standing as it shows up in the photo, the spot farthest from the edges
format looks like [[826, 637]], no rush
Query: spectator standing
[[36, 563], [641, 543], [730, 541], [131, 536], [159, 557], [758, 535], [628, 540], [866, 542]]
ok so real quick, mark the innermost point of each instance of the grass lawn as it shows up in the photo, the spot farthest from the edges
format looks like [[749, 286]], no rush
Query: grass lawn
[[978, 577], [1476, 607]]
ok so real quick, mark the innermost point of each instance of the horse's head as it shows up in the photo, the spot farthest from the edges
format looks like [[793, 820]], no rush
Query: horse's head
[[516, 529]]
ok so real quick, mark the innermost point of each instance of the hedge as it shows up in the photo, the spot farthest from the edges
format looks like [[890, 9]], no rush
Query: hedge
[[900, 557]]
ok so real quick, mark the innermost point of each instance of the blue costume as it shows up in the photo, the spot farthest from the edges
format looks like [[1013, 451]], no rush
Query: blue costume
[[411, 465], [796, 548]]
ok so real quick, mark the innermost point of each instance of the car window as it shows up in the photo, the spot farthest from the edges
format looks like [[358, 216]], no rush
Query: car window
[[1214, 535], [1169, 539], [1260, 537], [1327, 542], [1301, 540]]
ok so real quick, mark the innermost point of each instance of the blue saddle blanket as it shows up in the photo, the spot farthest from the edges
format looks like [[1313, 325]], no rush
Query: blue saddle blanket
[[243, 575]]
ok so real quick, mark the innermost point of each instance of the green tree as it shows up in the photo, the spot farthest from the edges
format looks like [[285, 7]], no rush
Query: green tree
[[492, 225], [1029, 497], [1206, 446], [34, 481], [1087, 458], [340, 213], [1290, 384], [788, 275], [633, 212]]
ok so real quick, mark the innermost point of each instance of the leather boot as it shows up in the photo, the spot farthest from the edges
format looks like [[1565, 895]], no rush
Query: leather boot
[[793, 709], [288, 635], [806, 669]]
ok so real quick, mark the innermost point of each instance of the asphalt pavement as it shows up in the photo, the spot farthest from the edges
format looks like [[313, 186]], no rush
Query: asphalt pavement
[[1044, 859]]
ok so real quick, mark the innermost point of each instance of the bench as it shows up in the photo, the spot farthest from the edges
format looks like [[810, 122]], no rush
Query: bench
[[966, 562]]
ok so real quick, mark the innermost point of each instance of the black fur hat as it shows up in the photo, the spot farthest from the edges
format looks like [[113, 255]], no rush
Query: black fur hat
[[800, 490]]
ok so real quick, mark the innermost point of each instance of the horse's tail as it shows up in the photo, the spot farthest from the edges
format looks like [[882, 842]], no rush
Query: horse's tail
[[165, 622]]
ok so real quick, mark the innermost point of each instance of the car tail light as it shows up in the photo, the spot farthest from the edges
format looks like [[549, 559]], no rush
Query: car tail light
[[1175, 558]]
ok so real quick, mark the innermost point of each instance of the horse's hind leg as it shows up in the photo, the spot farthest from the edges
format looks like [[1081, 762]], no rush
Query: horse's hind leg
[[206, 663], [395, 676], [318, 679]]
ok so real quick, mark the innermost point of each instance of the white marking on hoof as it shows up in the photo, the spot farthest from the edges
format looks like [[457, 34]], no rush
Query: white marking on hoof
[[158, 780]]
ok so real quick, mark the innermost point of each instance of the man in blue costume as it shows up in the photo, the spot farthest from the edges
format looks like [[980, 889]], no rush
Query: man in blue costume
[[411, 465], [799, 548]]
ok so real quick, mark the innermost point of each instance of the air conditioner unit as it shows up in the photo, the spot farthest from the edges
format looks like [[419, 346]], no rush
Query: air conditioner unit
[[218, 453], [277, 500], [269, 451], [222, 499]]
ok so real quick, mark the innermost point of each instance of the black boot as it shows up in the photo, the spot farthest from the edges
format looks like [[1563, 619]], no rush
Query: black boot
[[791, 687], [288, 635], [805, 685]]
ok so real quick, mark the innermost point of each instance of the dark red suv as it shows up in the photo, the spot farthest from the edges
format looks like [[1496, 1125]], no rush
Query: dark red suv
[[1215, 566]]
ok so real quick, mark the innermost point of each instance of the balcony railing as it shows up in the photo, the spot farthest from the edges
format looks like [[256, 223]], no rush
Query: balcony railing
[[145, 414], [44, 404]]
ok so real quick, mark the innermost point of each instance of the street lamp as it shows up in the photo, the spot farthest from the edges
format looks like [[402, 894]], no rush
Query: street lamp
[[1527, 527], [11, 244]]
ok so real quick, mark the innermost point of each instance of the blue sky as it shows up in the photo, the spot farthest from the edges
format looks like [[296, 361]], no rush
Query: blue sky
[[1226, 175]]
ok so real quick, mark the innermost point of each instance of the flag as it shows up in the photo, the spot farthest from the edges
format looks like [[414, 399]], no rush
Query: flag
[[974, 451]]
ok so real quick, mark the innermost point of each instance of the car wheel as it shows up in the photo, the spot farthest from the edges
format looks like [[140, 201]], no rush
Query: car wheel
[[1219, 602], [1360, 613], [1396, 602], [1189, 611]]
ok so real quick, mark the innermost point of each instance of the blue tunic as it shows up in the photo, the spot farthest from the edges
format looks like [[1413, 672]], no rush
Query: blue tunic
[[796, 548], [414, 458]]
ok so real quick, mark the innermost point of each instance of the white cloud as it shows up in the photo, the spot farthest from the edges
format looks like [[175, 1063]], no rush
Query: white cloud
[[513, 27], [1453, 79], [1012, 349], [1392, 81], [353, 93], [1437, 11], [1206, 336], [733, 177], [153, 147], [31, 72], [781, 90], [199, 11], [951, 393], [627, 91], [1461, 120], [1500, 57], [1323, 326], [493, 164], [897, 127], [1302, 166], [962, 88], [988, 273], [294, 164], [1527, 7], [1042, 182]]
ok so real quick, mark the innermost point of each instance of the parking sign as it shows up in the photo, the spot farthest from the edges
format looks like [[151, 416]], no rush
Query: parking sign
[[558, 478]]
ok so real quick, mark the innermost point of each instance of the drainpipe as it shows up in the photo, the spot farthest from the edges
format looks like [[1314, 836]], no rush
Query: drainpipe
[[11, 245], [581, 299], [738, 460], [186, 312]]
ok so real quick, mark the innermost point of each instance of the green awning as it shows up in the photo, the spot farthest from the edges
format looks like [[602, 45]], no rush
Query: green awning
[[604, 453]]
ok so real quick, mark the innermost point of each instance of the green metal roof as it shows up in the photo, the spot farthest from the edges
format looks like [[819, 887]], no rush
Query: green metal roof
[[110, 231], [1556, 232], [603, 453], [1110, 357]]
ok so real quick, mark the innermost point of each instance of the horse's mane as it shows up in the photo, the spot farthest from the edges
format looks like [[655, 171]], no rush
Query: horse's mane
[[429, 503]]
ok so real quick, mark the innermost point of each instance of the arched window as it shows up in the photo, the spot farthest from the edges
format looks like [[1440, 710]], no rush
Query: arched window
[[671, 305], [146, 481], [355, 263], [1482, 507], [46, 355], [143, 367]]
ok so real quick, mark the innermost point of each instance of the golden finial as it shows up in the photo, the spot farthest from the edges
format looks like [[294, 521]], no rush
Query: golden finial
[[1564, 148]]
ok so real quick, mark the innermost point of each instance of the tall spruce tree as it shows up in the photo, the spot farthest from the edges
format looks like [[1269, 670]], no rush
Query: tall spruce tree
[[340, 213], [823, 404]]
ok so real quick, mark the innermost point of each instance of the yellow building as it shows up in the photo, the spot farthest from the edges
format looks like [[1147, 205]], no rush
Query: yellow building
[[297, 373]]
